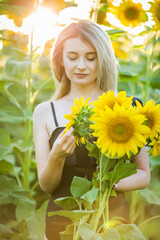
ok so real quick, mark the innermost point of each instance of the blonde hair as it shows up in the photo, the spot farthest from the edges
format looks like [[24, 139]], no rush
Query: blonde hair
[[107, 66]]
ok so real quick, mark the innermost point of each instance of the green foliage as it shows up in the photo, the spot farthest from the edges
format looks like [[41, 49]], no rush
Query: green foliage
[[22, 87], [121, 232], [80, 186], [74, 215]]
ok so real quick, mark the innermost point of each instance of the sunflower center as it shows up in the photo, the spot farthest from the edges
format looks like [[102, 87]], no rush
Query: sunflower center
[[150, 121], [120, 130], [158, 12], [131, 13]]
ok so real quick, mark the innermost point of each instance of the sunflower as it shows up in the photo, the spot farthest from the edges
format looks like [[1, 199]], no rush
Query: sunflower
[[155, 144], [79, 120], [152, 113], [110, 99], [119, 50], [129, 13], [119, 131], [155, 10]]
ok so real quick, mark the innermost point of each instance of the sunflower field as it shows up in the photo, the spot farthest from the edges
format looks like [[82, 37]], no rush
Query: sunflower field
[[26, 80]]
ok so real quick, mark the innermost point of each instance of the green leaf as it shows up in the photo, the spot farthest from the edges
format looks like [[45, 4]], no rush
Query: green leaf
[[6, 78], [103, 7], [107, 176], [4, 229], [115, 31], [150, 228], [5, 143], [67, 203], [111, 234], [10, 158], [151, 196], [93, 150], [68, 233], [24, 209], [12, 193], [16, 67], [28, 114], [4, 137], [9, 112], [6, 167], [113, 193], [80, 186], [106, 164], [123, 170], [130, 232], [74, 215], [154, 82], [24, 145], [4, 86], [91, 195], [128, 69], [86, 232], [35, 222], [154, 162]]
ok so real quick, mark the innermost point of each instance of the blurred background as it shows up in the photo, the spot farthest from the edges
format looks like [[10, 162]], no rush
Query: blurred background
[[28, 29]]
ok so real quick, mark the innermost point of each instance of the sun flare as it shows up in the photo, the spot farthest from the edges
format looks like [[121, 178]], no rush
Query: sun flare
[[42, 22]]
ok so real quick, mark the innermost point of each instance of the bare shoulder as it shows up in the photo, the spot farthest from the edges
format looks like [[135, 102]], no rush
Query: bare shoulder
[[41, 108], [40, 114]]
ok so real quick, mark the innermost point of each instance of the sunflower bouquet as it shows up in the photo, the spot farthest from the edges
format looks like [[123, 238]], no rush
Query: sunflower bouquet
[[114, 130]]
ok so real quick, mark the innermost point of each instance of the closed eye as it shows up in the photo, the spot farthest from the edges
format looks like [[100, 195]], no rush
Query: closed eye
[[72, 58], [91, 59]]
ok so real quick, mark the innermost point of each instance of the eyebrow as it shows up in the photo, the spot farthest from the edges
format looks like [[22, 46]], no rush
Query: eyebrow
[[72, 52]]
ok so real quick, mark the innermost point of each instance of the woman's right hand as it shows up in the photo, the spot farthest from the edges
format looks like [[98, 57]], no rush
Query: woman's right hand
[[64, 144]]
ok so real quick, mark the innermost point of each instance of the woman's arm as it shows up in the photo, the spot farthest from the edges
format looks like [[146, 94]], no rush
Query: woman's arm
[[140, 179], [50, 162]]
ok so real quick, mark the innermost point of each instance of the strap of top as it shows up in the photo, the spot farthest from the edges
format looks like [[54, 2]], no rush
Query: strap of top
[[54, 114]]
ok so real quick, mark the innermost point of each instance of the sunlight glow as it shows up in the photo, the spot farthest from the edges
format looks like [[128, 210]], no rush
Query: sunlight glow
[[6, 23], [43, 22], [72, 13], [138, 40], [82, 11]]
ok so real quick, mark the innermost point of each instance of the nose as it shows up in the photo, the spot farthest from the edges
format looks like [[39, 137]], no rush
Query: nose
[[81, 65]]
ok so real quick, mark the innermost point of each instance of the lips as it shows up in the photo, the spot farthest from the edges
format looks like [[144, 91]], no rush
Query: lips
[[81, 75]]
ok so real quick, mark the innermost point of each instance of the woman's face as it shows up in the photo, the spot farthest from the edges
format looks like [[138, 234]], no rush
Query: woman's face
[[80, 61]]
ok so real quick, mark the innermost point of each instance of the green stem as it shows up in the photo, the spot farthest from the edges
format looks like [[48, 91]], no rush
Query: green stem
[[149, 220], [107, 208], [18, 179], [100, 210], [33, 98], [96, 9], [74, 231], [20, 158], [28, 121], [34, 186], [100, 184], [76, 236], [149, 68], [27, 168]]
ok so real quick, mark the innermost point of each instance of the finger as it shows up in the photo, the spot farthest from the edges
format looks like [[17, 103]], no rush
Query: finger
[[67, 135], [71, 148]]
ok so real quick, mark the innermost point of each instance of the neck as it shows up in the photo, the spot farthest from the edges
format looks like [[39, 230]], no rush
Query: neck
[[82, 91]]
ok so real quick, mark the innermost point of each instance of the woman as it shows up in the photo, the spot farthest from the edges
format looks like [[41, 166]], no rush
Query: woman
[[83, 62]]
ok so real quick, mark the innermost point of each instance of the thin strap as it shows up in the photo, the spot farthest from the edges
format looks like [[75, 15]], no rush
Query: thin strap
[[54, 114]]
